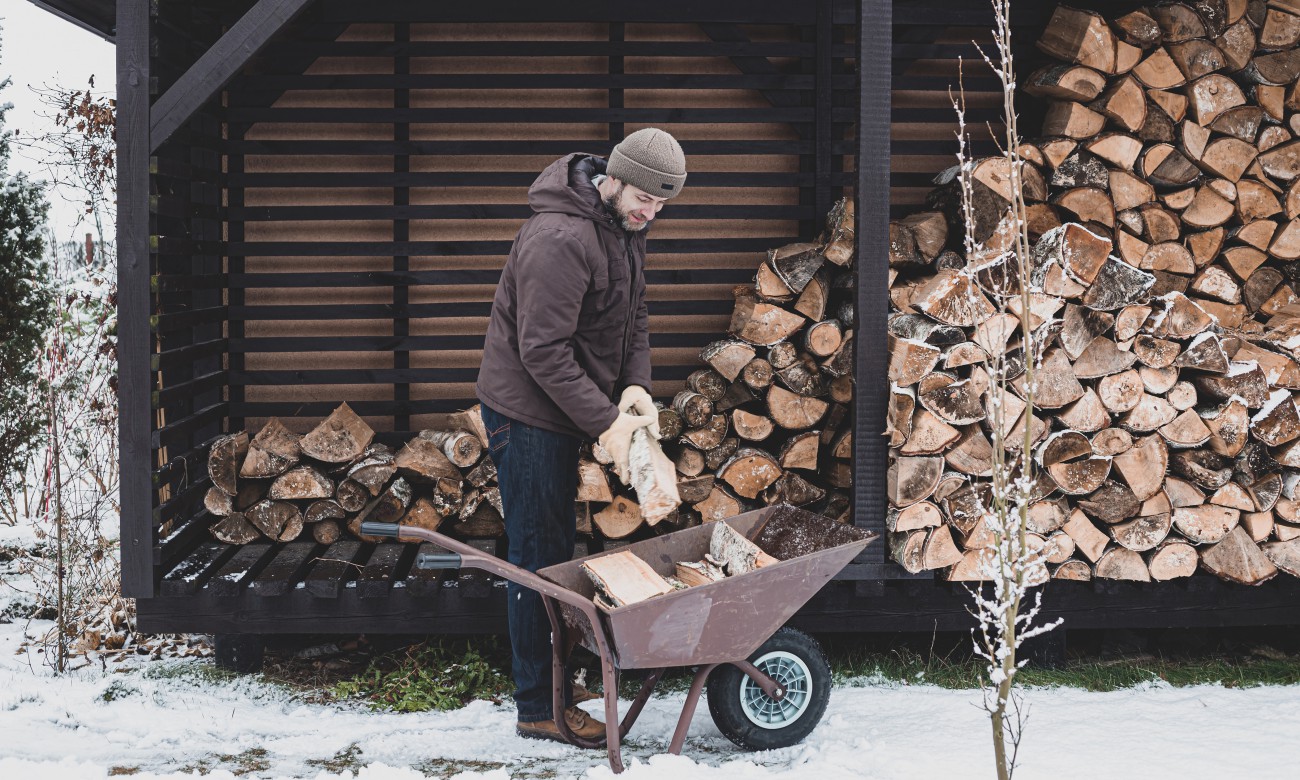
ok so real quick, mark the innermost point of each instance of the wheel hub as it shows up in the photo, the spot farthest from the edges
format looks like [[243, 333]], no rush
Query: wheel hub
[[791, 673]]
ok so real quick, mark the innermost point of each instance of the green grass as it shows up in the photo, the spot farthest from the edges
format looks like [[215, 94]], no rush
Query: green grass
[[431, 676], [1087, 672], [448, 673]]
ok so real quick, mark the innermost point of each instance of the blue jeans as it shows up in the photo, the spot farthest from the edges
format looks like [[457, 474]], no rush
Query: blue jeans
[[537, 471]]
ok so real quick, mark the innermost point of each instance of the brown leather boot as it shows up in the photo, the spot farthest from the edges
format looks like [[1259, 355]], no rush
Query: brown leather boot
[[581, 694], [579, 722]]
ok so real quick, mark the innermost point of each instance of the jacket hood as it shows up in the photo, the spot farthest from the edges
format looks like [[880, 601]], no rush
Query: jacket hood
[[565, 188]]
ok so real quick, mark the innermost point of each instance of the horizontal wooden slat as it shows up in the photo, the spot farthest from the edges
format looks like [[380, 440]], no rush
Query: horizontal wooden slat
[[491, 179], [471, 147]]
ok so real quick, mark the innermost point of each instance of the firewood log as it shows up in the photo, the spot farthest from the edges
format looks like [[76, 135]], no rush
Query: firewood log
[[707, 383], [218, 502], [461, 447], [1066, 82], [694, 408], [323, 509], [234, 529], [1236, 558], [737, 554], [749, 471], [800, 451], [714, 458], [758, 374], [1284, 555], [225, 459], [1119, 563], [769, 287], [728, 357], [693, 490], [621, 578], [593, 482], [912, 479], [273, 451], [719, 505], [1205, 524], [619, 519], [1081, 37], [793, 411], [303, 482], [423, 461], [341, 438], [327, 531], [653, 478], [375, 467], [812, 302], [750, 426], [278, 520], [689, 461], [484, 473], [351, 495], [708, 436], [907, 549], [762, 324], [796, 265], [470, 420]]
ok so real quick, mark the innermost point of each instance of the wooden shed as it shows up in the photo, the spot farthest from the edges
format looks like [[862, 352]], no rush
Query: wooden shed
[[316, 199]]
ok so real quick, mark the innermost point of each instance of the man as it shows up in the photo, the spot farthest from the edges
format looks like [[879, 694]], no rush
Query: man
[[568, 334]]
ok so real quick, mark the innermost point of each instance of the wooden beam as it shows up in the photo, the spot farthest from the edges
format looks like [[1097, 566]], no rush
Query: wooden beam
[[218, 65], [133, 309], [872, 234]]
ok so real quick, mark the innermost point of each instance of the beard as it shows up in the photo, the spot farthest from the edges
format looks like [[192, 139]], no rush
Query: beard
[[620, 216]]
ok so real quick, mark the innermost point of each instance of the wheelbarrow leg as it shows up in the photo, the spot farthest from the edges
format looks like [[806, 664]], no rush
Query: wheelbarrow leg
[[638, 703], [688, 709], [609, 676]]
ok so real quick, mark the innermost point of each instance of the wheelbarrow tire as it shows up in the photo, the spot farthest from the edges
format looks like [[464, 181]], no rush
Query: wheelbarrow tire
[[753, 720]]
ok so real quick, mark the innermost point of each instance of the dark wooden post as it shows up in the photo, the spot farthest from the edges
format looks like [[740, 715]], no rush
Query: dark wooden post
[[136, 454], [872, 230]]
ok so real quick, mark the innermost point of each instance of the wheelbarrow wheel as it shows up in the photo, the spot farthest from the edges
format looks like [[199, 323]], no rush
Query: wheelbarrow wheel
[[749, 717]]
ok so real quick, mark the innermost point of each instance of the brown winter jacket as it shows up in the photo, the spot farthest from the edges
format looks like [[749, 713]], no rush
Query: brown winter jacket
[[569, 328]]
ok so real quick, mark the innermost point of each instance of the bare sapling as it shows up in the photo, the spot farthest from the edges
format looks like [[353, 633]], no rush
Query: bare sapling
[[1015, 339]]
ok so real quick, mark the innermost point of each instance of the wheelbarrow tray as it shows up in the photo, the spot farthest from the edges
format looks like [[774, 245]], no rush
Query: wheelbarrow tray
[[720, 621]]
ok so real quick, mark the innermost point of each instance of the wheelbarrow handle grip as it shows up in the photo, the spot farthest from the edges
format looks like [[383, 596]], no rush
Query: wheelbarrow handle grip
[[437, 561], [374, 528]]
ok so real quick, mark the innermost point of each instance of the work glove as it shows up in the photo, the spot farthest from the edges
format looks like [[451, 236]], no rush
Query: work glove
[[617, 440], [635, 400]]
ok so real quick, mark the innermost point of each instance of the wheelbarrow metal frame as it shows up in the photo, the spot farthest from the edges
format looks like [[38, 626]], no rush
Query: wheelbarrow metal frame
[[703, 626]]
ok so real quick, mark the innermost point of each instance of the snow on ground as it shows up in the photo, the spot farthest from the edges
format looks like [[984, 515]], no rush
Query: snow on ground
[[174, 719]]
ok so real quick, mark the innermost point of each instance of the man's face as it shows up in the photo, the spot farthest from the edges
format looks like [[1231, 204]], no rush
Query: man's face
[[633, 208]]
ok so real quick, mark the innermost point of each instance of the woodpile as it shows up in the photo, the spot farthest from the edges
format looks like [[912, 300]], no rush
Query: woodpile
[[764, 421], [1164, 207], [283, 486]]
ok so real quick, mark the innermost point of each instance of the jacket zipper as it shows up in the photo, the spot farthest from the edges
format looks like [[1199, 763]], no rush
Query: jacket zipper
[[631, 304]]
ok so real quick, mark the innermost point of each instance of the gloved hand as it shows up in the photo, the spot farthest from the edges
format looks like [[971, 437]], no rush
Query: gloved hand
[[617, 440], [635, 400]]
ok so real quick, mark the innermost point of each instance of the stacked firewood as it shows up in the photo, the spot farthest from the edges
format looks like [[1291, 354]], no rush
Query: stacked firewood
[[280, 485], [768, 421], [1164, 203]]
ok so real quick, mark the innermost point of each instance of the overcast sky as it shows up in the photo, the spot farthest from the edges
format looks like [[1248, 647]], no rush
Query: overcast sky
[[38, 49]]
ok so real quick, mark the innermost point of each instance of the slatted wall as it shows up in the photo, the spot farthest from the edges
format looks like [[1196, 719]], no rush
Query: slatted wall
[[374, 192]]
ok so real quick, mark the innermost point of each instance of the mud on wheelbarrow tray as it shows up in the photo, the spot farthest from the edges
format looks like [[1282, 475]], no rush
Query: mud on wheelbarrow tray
[[725, 620]]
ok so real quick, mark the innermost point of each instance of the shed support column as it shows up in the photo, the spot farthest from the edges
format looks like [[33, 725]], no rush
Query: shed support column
[[136, 455], [872, 235]]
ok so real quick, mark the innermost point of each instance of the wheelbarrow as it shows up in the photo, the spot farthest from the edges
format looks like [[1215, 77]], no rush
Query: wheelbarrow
[[768, 684]]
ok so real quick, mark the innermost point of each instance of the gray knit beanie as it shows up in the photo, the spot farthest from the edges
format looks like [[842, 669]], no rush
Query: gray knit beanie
[[651, 160]]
